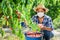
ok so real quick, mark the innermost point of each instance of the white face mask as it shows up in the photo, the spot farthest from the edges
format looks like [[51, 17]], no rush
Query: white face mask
[[40, 14]]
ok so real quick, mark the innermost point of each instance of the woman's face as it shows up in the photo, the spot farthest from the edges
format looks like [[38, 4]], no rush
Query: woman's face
[[40, 13]]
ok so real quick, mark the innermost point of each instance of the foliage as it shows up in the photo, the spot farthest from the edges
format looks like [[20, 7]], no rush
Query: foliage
[[56, 22], [54, 8], [10, 17]]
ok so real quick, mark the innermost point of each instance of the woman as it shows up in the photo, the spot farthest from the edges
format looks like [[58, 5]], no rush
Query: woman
[[44, 22]]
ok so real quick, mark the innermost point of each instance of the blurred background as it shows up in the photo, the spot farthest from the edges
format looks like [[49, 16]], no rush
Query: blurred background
[[10, 10]]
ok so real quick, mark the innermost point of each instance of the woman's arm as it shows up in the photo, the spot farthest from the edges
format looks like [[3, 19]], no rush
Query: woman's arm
[[49, 27], [46, 28]]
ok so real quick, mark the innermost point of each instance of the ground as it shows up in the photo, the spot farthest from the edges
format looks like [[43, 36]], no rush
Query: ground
[[56, 35], [14, 37]]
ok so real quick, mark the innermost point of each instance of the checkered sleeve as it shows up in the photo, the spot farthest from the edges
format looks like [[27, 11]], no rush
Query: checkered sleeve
[[34, 19], [50, 23]]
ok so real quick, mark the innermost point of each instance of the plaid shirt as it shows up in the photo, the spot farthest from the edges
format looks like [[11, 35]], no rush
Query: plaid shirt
[[46, 22]]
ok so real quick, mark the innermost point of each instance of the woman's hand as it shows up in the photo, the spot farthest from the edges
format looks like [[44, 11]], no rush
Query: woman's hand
[[40, 25], [44, 27]]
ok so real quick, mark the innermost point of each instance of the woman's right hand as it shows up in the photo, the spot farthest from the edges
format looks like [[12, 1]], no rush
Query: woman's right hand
[[40, 25]]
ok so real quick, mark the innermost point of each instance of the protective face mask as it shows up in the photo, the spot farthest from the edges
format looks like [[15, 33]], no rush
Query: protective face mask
[[40, 14]]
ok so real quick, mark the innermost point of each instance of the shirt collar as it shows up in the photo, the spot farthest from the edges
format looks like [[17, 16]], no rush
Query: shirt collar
[[43, 20]]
